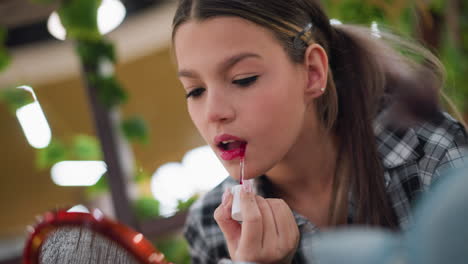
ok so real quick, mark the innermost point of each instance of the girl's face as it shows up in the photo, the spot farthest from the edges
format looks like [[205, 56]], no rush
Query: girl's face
[[242, 88]]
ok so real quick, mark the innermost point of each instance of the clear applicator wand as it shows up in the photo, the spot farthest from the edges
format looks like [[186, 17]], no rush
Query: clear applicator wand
[[236, 213]]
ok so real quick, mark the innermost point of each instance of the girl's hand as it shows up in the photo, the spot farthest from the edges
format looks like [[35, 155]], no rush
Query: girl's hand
[[268, 233]]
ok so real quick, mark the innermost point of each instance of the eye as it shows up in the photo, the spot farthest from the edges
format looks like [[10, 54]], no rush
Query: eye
[[197, 92], [246, 81]]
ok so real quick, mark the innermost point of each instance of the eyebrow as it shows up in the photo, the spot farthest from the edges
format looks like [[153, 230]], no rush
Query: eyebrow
[[224, 66]]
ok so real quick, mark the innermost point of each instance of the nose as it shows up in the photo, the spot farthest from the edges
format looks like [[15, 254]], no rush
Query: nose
[[220, 109]]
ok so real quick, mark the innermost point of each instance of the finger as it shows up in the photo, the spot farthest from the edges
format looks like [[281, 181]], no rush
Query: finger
[[252, 226], [270, 231], [222, 215], [288, 232]]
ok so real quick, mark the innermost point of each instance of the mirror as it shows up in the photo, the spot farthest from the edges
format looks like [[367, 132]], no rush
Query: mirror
[[80, 245], [63, 237]]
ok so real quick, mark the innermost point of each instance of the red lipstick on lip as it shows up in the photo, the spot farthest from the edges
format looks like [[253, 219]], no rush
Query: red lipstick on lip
[[234, 149]]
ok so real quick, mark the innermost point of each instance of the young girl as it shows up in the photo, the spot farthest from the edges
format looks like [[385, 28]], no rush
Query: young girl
[[320, 109]]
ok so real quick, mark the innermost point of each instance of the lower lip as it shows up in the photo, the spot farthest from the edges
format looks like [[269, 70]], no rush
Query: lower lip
[[232, 154]]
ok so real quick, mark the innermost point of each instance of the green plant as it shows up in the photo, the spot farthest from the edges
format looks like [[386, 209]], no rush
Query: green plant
[[97, 55], [79, 18], [4, 57], [15, 98], [81, 147], [146, 208], [101, 186], [396, 14], [85, 147], [55, 152], [134, 128], [175, 249], [185, 205]]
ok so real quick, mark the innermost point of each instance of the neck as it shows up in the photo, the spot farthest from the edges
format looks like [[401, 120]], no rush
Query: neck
[[304, 178], [307, 171]]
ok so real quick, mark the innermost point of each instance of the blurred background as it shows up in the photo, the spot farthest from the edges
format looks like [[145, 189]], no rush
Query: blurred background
[[92, 114]]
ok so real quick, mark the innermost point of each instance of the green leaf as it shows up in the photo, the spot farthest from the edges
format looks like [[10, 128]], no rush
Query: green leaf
[[55, 152], [15, 98], [146, 208], [101, 186], [175, 249], [141, 176], [79, 18], [352, 11], [185, 205], [109, 91], [91, 52], [86, 148], [4, 57], [135, 129]]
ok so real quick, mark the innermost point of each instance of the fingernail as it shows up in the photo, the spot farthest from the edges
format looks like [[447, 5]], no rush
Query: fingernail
[[225, 195], [247, 186]]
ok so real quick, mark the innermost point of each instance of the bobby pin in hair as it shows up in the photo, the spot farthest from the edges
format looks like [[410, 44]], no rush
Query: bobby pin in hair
[[298, 42]]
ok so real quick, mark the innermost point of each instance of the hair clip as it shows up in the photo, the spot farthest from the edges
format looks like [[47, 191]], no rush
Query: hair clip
[[298, 42]]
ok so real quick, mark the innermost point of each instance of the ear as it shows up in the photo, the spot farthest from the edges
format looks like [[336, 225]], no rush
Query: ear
[[316, 65]]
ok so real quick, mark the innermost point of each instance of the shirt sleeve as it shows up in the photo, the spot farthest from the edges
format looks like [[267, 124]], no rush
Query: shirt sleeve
[[193, 233], [205, 238]]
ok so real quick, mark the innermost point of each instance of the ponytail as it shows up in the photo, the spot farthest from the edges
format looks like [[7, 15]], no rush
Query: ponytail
[[372, 78], [359, 81]]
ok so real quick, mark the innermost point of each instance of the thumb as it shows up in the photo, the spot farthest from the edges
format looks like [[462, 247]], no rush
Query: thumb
[[230, 227]]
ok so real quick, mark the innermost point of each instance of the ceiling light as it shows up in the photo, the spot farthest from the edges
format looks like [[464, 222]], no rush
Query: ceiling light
[[33, 122], [78, 173]]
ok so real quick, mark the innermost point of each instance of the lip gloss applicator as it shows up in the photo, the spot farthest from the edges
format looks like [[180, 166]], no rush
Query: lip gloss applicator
[[236, 213]]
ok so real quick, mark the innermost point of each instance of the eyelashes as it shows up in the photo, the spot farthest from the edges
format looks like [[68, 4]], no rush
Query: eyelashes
[[197, 92], [245, 82]]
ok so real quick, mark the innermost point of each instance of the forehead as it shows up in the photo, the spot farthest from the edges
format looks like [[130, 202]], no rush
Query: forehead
[[216, 38]]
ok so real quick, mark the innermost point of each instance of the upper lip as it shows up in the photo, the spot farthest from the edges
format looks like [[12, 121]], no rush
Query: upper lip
[[226, 137]]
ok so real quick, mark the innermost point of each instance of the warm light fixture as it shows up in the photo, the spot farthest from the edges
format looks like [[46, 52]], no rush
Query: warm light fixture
[[199, 171], [110, 15], [33, 122], [78, 173]]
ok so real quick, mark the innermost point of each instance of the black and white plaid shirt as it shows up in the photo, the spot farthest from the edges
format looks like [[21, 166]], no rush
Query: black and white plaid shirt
[[412, 160]]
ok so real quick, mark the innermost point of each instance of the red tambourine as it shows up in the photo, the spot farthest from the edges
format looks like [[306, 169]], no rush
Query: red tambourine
[[133, 242]]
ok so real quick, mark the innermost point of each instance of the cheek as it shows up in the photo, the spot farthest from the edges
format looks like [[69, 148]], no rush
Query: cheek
[[282, 98], [275, 122], [197, 118], [278, 113]]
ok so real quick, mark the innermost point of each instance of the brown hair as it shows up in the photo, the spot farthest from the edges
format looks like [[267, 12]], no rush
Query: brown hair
[[366, 76]]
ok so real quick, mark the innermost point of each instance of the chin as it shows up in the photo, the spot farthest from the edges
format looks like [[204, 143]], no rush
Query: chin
[[233, 169], [233, 172]]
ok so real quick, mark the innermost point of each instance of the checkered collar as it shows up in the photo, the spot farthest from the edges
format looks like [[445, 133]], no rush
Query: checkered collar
[[396, 147]]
